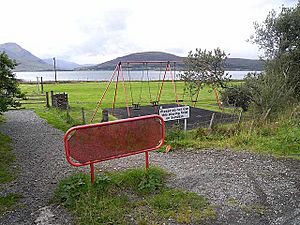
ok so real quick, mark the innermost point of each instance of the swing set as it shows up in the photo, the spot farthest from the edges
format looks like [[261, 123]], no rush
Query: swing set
[[154, 100]]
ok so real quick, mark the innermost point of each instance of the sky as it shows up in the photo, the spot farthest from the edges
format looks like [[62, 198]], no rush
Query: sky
[[94, 31]]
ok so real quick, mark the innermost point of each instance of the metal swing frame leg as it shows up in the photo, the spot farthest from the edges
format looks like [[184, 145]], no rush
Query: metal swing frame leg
[[168, 69]]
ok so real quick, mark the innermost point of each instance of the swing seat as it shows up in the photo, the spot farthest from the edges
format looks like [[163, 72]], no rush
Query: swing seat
[[154, 103], [136, 106], [179, 100], [194, 101]]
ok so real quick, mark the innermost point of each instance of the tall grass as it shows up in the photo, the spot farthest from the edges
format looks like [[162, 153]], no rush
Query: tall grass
[[279, 137]]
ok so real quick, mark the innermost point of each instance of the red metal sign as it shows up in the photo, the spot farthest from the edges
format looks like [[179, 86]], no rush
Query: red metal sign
[[89, 144]]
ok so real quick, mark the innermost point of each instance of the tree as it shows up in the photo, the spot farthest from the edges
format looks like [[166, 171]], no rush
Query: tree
[[279, 38], [8, 83], [204, 67]]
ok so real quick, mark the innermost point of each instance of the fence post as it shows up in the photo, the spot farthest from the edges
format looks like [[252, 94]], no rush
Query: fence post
[[38, 84], [83, 116], [51, 95], [42, 85], [104, 115], [47, 99], [67, 99], [211, 121], [240, 117]]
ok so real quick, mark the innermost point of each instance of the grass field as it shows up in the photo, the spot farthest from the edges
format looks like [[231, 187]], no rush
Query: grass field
[[87, 94]]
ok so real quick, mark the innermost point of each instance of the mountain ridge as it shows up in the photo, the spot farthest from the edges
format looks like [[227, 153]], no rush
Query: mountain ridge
[[26, 61], [231, 63]]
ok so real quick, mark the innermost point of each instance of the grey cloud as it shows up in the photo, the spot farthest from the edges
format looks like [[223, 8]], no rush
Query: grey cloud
[[105, 38], [116, 20]]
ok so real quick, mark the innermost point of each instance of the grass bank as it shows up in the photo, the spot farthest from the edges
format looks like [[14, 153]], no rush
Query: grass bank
[[7, 173], [131, 197], [280, 138]]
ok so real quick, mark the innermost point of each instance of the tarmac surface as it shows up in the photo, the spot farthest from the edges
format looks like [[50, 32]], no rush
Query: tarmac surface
[[198, 117]]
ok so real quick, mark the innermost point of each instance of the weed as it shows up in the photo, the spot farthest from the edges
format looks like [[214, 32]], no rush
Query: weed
[[254, 208], [181, 205], [134, 196], [72, 188], [232, 201], [141, 181], [8, 202]]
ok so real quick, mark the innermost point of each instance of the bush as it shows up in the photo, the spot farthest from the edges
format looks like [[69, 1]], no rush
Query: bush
[[269, 91], [237, 96]]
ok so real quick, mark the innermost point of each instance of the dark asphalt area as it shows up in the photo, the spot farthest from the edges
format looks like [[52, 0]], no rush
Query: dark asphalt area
[[198, 117]]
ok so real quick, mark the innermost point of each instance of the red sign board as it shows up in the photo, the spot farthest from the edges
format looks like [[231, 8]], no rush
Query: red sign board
[[88, 144]]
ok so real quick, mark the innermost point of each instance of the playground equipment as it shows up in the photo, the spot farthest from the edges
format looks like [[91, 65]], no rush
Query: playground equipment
[[118, 74]]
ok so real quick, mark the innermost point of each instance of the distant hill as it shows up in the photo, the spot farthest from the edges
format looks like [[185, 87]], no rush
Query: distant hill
[[62, 64], [26, 61], [244, 64], [141, 56], [231, 63]]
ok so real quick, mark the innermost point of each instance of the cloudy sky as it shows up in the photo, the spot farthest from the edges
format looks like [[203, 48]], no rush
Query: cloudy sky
[[94, 31]]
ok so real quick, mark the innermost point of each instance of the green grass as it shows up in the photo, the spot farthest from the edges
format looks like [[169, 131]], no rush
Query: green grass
[[131, 197], [280, 138], [8, 202], [6, 159], [87, 94], [7, 174]]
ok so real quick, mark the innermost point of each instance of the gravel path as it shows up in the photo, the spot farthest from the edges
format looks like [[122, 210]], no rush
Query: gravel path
[[40, 159], [244, 188]]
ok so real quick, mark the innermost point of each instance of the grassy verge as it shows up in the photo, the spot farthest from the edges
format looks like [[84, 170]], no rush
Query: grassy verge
[[131, 197], [7, 174], [6, 158], [280, 138]]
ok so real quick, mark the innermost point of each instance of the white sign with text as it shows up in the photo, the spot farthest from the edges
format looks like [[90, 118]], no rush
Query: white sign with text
[[176, 113]]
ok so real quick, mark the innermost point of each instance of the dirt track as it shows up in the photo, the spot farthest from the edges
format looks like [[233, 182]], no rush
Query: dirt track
[[244, 188]]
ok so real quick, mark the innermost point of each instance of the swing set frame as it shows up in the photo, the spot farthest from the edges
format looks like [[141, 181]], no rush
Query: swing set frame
[[119, 75]]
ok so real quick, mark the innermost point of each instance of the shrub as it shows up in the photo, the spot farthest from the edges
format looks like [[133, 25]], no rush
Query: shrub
[[237, 96]]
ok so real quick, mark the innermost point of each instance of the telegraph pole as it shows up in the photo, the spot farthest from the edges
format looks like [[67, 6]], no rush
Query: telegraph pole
[[54, 65]]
